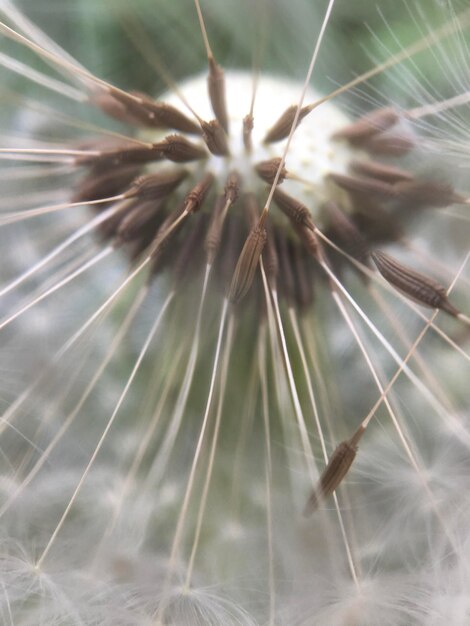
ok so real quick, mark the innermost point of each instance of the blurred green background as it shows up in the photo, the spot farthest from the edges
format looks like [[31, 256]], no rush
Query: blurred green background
[[97, 33]]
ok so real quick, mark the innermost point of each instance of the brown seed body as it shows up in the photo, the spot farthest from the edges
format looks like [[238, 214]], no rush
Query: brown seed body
[[216, 88], [232, 187], [127, 154], [267, 171], [214, 232], [304, 278], [188, 260], [364, 185], [158, 185], [369, 125], [297, 212], [333, 474], [251, 209], [113, 107], [247, 264], [248, 124], [215, 138], [346, 233], [391, 144], [424, 193], [416, 286], [374, 222], [270, 258], [283, 126], [164, 235], [138, 109], [95, 186], [286, 269], [198, 193], [180, 150], [136, 220], [375, 169], [164, 115]]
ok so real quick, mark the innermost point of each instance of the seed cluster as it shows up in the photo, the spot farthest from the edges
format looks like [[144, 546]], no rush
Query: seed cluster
[[357, 210], [209, 209]]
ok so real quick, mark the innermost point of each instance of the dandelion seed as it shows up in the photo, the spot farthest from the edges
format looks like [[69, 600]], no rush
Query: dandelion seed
[[247, 264], [334, 473], [184, 342], [415, 285]]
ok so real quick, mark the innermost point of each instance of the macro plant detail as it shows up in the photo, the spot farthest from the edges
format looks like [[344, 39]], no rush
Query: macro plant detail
[[235, 321]]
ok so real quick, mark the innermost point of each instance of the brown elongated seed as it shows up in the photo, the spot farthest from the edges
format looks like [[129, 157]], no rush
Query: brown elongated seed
[[156, 186], [247, 263], [104, 185], [251, 209], [293, 209], [303, 279], [334, 473], [215, 137], [110, 105], [122, 106], [375, 169], [137, 246], [365, 127], [189, 257], [248, 124], [164, 234], [234, 238], [309, 240], [214, 232], [267, 170], [376, 224], [347, 233], [270, 260], [216, 88], [144, 111], [137, 220], [118, 156], [164, 115], [427, 193], [286, 270], [363, 185], [232, 187], [103, 144], [283, 126], [394, 144], [415, 285], [159, 252], [108, 229], [194, 199], [180, 150]]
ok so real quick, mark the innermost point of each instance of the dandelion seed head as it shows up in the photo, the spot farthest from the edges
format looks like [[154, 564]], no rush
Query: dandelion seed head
[[239, 308]]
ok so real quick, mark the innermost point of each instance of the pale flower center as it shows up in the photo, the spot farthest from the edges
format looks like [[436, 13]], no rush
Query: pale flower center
[[312, 154]]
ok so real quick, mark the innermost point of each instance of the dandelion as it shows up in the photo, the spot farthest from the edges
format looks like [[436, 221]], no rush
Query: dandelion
[[234, 315]]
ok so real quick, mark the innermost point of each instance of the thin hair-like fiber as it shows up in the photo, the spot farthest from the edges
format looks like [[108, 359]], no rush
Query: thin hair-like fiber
[[234, 313]]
